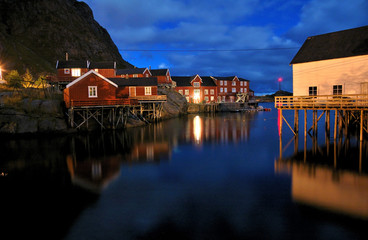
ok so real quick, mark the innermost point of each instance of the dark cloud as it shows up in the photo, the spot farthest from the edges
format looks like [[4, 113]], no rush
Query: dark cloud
[[235, 24]]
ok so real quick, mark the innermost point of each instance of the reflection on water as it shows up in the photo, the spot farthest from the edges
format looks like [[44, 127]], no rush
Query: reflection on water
[[195, 177], [333, 177]]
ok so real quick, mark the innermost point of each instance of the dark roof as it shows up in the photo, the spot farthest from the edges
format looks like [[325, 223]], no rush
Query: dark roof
[[158, 72], [102, 65], [243, 79], [208, 82], [347, 43], [71, 64], [230, 78], [183, 81], [121, 82], [130, 71]]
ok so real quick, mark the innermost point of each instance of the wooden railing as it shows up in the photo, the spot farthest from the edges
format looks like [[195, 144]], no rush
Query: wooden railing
[[150, 98], [357, 101], [100, 103]]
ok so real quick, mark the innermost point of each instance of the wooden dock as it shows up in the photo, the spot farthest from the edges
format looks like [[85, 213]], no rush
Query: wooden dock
[[114, 113], [348, 109]]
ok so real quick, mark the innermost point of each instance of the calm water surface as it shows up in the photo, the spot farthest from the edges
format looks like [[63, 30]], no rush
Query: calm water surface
[[196, 177]]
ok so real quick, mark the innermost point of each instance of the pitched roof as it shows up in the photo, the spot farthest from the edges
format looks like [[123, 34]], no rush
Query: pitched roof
[[72, 64], [102, 65], [159, 72], [182, 81], [208, 82], [243, 79], [229, 78], [130, 71], [347, 43], [88, 73], [122, 82]]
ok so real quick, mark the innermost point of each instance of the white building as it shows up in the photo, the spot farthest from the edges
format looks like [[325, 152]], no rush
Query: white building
[[332, 63]]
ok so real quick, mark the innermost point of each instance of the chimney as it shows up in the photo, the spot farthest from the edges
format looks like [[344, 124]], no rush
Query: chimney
[[66, 56]]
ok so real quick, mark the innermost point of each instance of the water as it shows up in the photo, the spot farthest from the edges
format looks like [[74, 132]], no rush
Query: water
[[196, 177]]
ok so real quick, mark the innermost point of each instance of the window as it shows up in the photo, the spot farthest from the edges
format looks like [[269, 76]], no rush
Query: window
[[196, 84], [212, 98], [241, 83], [225, 83], [186, 91], [221, 83], [147, 75], [241, 89], [245, 90], [147, 91], [313, 91], [212, 91], [337, 90], [135, 75], [76, 72], [206, 98], [96, 69], [67, 71], [221, 90], [206, 92], [225, 90], [181, 92], [234, 89], [187, 98], [233, 83], [92, 91]]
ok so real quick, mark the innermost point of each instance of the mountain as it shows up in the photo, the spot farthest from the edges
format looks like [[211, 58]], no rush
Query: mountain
[[34, 34]]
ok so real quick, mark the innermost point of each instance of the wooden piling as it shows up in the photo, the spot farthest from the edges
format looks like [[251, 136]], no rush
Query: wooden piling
[[296, 122]]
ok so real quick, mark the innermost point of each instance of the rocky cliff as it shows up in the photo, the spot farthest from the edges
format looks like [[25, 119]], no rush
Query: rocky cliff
[[35, 34]]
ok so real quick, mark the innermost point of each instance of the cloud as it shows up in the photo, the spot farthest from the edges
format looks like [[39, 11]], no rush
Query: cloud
[[319, 17], [224, 25]]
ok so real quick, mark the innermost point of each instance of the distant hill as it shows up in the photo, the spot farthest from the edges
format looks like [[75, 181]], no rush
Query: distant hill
[[35, 34], [271, 97]]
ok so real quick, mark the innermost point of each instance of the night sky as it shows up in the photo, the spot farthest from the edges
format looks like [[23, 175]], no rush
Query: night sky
[[252, 39]]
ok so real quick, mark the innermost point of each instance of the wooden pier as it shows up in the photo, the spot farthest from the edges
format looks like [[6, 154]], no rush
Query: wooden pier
[[349, 109], [114, 113]]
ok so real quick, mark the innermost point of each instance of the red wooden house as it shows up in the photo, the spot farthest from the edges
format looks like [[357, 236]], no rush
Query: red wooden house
[[93, 89], [229, 87], [196, 89], [163, 77], [68, 71]]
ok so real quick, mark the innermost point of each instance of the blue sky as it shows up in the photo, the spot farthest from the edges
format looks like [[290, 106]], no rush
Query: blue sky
[[263, 35]]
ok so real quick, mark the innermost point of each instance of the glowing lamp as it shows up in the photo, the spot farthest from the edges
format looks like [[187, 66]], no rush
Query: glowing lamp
[[280, 79], [196, 96]]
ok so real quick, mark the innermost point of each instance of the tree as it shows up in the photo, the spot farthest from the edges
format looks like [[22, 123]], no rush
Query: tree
[[14, 79], [28, 79]]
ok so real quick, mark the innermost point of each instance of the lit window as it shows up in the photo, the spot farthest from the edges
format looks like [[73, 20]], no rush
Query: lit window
[[206, 98], [225, 83], [147, 91], [313, 91], [66, 71], [92, 91], [96, 69], [221, 83], [196, 84], [234, 89], [186, 91], [147, 75], [212, 98], [212, 91], [135, 75], [181, 92], [337, 90], [206, 92], [234, 83], [76, 72], [187, 98]]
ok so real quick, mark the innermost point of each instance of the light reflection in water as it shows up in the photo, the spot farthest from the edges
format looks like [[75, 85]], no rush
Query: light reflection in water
[[197, 129], [336, 182]]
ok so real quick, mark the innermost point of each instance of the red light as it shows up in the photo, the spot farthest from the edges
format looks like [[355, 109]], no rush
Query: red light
[[280, 79]]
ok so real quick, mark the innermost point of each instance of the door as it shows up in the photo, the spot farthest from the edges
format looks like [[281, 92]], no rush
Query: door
[[364, 88], [132, 92]]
